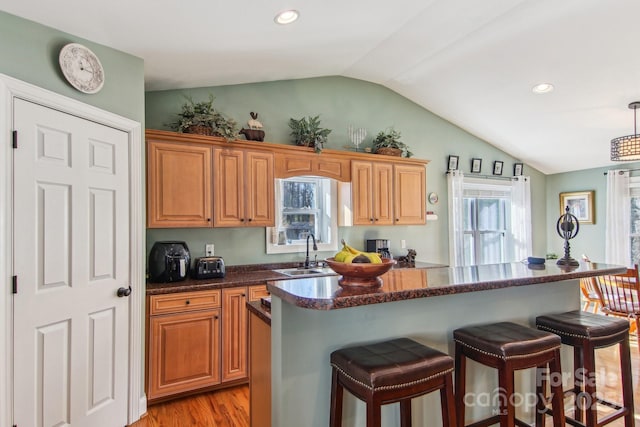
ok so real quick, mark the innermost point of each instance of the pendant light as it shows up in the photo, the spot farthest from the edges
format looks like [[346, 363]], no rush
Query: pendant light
[[626, 148]]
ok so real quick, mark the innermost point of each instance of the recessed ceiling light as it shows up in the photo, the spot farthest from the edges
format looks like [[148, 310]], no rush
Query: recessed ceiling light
[[542, 88], [286, 17]]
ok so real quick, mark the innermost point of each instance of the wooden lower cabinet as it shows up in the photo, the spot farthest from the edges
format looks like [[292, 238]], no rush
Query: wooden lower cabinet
[[260, 370], [198, 340], [184, 352], [234, 333]]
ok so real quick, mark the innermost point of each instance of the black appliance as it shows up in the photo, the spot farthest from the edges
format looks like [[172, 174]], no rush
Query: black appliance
[[169, 262], [208, 267], [380, 246]]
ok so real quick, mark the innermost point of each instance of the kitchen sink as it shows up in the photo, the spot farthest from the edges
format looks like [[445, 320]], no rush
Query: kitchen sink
[[306, 272]]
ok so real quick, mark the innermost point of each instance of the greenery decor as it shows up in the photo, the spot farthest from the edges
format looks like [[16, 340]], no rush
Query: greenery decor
[[202, 118], [390, 139], [307, 132]]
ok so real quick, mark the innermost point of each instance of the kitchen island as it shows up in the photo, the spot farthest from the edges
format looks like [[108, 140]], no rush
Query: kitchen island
[[310, 318]]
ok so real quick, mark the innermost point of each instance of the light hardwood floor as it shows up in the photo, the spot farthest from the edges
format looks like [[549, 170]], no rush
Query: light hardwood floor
[[230, 407]]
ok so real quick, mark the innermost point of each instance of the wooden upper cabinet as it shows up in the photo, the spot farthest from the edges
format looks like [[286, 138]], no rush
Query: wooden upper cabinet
[[326, 165], [409, 194], [388, 194], [244, 188], [178, 185], [372, 193]]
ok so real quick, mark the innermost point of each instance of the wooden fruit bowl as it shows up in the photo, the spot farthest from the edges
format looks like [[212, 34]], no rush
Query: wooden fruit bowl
[[362, 275]]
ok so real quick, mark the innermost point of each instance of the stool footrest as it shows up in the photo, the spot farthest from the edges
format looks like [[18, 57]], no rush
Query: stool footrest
[[495, 420]]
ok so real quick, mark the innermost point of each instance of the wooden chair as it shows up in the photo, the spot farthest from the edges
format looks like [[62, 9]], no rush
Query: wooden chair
[[588, 288], [620, 296]]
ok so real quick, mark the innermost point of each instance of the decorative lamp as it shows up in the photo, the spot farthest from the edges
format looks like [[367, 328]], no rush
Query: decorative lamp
[[627, 148], [567, 228]]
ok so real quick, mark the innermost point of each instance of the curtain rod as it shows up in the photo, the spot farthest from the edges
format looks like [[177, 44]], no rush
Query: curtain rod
[[474, 175], [628, 170]]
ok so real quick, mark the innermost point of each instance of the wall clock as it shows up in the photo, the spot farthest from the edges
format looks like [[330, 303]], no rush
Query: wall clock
[[82, 68]]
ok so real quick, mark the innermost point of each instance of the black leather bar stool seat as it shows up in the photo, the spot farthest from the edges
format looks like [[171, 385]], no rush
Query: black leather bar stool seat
[[586, 332], [388, 372], [506, 347]]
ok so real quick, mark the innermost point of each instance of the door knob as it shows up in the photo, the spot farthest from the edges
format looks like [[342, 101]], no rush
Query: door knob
[[124, 292]]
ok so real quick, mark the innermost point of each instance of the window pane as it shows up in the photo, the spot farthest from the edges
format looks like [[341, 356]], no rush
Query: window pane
[[492, 245], [635, 215], [469, 213], [491, 215], [635, 249], [469, 250]]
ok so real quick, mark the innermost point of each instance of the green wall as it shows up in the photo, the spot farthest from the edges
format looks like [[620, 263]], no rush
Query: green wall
[[341, 102], [591, 237], [29, 52]]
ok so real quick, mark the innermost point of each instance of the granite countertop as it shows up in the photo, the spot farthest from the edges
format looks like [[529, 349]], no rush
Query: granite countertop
[[324, 293], [246, 275]]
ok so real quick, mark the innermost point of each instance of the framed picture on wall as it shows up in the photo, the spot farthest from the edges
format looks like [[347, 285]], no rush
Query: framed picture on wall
[[580, 204], [517, 169], [453, 163], [497, 167], [476, 165]]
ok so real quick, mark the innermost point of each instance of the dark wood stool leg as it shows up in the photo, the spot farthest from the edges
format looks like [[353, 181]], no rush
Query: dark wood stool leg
[[557, 400], [578, 383], [591, 404], [541, 394], [506, 388], [335, 414], [447, 403], [461, 371], [627, 386], [405, 413], [373, 412]]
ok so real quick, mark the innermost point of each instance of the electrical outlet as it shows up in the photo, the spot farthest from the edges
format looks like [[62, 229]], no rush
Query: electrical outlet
[[403, 244], [208, 249]]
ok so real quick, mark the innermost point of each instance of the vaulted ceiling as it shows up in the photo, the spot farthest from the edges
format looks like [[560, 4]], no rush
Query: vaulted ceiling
[[472, 62]]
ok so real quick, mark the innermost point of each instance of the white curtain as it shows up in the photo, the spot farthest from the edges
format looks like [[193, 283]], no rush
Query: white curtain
[[455, 181], [618, 226], [521, 217]]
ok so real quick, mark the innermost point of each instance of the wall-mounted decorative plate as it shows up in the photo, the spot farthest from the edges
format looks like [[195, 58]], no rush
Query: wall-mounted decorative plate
[[433, 198], [82, 68]]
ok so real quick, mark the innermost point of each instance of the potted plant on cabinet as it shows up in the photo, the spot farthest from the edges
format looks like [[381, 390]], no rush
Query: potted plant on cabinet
[[201, 118], [307, 131], [388, 142]]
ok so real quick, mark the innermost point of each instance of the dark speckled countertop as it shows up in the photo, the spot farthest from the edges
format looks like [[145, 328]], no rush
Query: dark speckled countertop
[[324, 293], [244, 275]]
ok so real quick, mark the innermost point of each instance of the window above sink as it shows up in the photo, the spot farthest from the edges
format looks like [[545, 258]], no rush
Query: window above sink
[[304, 205]]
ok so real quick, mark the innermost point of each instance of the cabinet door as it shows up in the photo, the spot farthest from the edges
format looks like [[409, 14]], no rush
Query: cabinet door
[[260, 196], [361, 192], [228, 206], [178, 185], [184, 352], [409, 194], [382, 194], [258, 291], [234, 334]]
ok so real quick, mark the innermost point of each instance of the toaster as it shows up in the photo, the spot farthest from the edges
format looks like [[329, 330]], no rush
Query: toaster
[[208, 267]]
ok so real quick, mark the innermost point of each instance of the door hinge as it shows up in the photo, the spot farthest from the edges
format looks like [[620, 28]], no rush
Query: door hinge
[[15, 284], [15, 139]]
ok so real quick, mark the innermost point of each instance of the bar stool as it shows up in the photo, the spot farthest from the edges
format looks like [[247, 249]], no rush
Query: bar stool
[[506, 347], [391, 371], [585, 332]]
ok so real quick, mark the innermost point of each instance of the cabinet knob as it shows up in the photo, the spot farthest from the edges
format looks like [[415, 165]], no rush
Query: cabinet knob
[[208, 219], [250, 219], [187, 302], [397, 219], [243, 295], [241, 219], [215, 317], [371, 219]]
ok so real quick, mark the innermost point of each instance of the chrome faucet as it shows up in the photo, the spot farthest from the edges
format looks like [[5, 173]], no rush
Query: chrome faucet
[[307, 263]]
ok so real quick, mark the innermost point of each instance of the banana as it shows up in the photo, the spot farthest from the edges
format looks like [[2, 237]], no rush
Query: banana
[[374, 257], [340, 256], [350, 248], [349, 258]]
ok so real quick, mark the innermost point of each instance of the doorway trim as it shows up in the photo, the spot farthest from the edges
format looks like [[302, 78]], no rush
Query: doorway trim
[[11, 88]]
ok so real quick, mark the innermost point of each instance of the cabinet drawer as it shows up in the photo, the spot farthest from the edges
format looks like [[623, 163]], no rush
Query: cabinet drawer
[[181, 302], [257, 292]]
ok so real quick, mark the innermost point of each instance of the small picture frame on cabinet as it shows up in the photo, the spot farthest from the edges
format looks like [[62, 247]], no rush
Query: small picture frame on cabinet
[[453, 163], [517, 169], [476, 165], [497, 167]]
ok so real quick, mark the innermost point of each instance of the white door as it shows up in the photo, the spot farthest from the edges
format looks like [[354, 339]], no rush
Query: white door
[[71, 255]]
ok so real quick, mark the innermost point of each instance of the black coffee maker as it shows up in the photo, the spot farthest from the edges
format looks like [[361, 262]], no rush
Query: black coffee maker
[[169, 261], [380, 246]]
